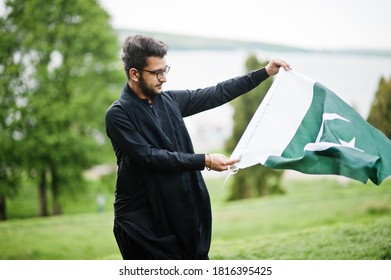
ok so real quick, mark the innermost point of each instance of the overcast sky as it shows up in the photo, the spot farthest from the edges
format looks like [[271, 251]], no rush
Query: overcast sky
[[315, 24]]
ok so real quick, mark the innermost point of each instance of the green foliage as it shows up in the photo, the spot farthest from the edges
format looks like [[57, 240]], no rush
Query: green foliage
[[257, 180], [10, 158], [60, 58], [380, 113]]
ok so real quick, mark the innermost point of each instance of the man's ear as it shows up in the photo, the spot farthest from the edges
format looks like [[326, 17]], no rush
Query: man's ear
[[134, 74]]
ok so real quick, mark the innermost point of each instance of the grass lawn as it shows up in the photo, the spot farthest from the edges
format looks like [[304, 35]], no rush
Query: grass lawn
[[315, 219]]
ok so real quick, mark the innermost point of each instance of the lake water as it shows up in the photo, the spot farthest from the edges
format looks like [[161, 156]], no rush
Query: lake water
[[354, 78]]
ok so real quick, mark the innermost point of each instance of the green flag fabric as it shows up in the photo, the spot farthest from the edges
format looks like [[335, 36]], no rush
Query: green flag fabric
[[304, 126]]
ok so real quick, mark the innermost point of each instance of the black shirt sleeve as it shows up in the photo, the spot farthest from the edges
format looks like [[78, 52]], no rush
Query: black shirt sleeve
[[129, 141], [192, 102]]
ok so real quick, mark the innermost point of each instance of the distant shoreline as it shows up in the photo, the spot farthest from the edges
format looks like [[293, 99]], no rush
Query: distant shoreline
[[186, 42]]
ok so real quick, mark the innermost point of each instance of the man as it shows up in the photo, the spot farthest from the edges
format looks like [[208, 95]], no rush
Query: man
[[162, 206]]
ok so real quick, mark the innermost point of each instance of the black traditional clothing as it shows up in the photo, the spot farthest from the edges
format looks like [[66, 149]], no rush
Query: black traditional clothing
[[162, 206]]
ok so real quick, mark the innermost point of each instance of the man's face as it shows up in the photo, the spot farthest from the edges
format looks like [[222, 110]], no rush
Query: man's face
[[153, 76]]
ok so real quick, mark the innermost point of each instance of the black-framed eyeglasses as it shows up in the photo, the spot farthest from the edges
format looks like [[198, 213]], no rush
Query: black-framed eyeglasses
[[159, 73]]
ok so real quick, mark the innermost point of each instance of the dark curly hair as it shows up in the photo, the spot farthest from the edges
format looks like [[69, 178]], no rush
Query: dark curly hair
[[136, 49]]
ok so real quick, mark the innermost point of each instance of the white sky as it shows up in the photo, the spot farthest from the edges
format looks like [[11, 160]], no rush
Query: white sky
[[318, 24]]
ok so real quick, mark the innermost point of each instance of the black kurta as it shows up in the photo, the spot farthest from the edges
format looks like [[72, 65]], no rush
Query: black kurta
[[161, 200]]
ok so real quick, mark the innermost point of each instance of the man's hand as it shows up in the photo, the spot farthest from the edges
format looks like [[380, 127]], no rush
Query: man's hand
[[275, 64], [219, 162]]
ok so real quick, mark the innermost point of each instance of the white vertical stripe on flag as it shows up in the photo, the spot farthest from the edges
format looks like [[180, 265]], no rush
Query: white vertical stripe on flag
[[276, 120]]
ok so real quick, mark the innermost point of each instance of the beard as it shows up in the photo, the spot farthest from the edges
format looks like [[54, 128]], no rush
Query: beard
[[147, 91]]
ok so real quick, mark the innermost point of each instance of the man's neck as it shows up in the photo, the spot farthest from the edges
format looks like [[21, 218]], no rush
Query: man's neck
[[138, 92]]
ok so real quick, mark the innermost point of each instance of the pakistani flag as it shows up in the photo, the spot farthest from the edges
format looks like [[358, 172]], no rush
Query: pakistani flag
[[304, 126]]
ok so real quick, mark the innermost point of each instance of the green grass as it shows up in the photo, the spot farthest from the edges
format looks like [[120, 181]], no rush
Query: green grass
[[349, 241], [78, 237], [315, 219]]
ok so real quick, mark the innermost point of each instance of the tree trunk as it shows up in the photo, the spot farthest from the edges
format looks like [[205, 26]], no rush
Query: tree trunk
[[3, 212], [56, 203], [43, 208], [56, 193]]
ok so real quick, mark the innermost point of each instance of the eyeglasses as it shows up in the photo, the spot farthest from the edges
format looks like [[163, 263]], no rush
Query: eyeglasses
[[159, 73]]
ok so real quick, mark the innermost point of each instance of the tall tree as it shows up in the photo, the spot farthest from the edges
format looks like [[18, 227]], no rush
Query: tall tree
[[10, 114], [257, 180], [69, 53], [380, 113]]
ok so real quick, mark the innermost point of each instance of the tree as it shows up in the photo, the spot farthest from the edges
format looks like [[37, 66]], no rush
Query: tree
[[257, 180], [69, 56], [380, 113], [10, 159]]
